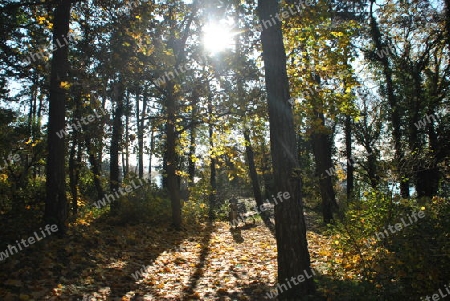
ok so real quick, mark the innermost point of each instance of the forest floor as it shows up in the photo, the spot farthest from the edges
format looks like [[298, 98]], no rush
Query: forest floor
[[101, 261]]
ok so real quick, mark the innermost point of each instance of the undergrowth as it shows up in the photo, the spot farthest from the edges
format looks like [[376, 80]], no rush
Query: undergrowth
[[400, 264]]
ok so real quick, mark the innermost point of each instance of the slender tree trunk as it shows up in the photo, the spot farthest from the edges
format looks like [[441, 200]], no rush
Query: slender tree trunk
[[126, 166], [172, 162], [74, 172], [165, 184], [293, 255], [38, 130], [212, 164], [193, 136], [372, 172], [152, 149], [115, 141], [432, 177], [447, 21], [73, 160], [56, 207], [429, 176], [141, 124], [101, 136], [267, 173], [191, 167], [348, 152], [255, 182], [322, 148], [95, 167], [252, 168]]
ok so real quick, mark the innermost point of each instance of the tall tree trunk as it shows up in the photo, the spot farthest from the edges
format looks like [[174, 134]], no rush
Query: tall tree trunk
[[212, 164], [321, 143], [101, 135], [177, 44], [429, 176], [116, 137], [293, 255], [348, 153], [152, 149], [193, 136], [141, 124], [252, 168], [430, 186], [56, 207], [74, 172], [73, 160], [38, 133], [126, 166], [372, 172], [172, 162], [95, 168], [191, 167], [254, 179], [267, 173], [165, 184], [447, 21]]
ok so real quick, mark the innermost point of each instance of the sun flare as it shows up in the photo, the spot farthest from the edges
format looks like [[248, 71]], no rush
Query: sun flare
[[218, 37]]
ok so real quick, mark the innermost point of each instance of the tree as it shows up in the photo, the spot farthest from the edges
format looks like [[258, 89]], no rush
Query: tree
[[56, 208], [324, 85], [290, 228]]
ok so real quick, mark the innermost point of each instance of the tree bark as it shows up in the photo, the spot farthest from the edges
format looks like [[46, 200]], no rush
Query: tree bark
[[293, 255], [56, 207], [74, 155], [212, 164], [141, 135], [126, 166], [172, 162], [193, 136], [255, 182], [321, 143], [116, 137], [152, 149], [95, 167], [267, 173], [348, 153]]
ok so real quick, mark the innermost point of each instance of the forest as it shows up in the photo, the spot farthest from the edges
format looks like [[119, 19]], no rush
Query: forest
[[289, 150]]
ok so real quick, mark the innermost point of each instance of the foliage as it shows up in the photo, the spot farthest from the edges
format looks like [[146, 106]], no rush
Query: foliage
[[146, 204], [405, 264], [197, 206]]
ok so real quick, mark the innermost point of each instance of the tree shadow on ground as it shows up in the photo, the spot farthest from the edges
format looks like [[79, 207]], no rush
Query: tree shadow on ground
[[96, 258], [132, 251], [193, 281], [328, 289]]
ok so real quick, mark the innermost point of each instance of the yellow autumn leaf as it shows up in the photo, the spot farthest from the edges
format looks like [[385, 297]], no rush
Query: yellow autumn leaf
[[40, 20], [65, 85], [337, 34]]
